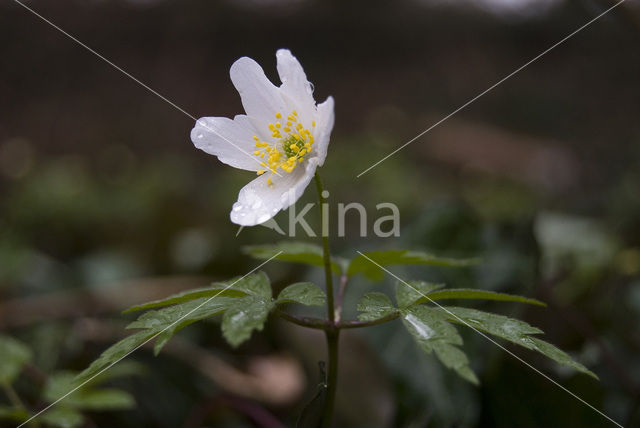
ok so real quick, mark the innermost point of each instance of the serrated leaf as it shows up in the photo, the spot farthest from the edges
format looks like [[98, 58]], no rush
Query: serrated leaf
[[13, 413], [296, 252], [367, 263], [513, 330], [462, 293], [409, 292], [498, 325], [244, 316], [254, 284], [214, 290], [165, 322], [557, 355], [305, 293], [193, 310], [15, 355], [168, 321], [63, 417], [114, 353], [433, 332], [373, 306]]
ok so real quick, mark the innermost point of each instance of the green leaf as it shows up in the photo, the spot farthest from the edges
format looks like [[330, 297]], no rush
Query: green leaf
[[305, 293], [296, 252], [63, 417], [373, 306], [257, 283], [194, 310], [433, 332], [367, 263], [13, 413], [409, 292], [114, 353], [244, 316], [557, 355], [513, 330], [163, 323], [461, 293], [504, 327], [215, 289], [85, 398], [168, 321]]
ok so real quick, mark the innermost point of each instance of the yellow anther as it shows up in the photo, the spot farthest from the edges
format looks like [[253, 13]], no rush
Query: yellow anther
[[289, 123], [269, 183], [278, 115], [300, 160], [263, 164], [295, 113], [271, 127], [257, 152], [262, 154], [302, 152], [313, 123], [260, 172], [278, 125], [255, 137], [287, 129]]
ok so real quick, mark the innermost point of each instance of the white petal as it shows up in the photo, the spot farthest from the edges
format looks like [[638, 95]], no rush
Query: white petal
[[230, 140], [324, 126], [260, 98], [258, 202], [295, 88]]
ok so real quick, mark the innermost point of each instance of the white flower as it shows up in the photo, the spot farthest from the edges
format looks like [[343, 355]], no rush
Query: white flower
[[283, 137]]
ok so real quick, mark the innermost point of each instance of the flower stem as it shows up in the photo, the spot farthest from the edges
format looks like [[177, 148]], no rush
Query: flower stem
[[331, 331], [325, 250]]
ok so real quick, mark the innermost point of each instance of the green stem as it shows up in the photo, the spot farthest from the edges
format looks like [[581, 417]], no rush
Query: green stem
[[325, 252], [333, 337], [360, 324], [331, 331], [315, 323]]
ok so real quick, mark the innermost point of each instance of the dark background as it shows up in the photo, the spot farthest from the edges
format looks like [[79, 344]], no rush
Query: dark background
[[104, 202]]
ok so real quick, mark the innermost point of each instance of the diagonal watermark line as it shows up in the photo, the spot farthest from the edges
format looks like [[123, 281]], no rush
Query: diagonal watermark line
[[147, 87], [491, 340], [489, 89], [148, 340]]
